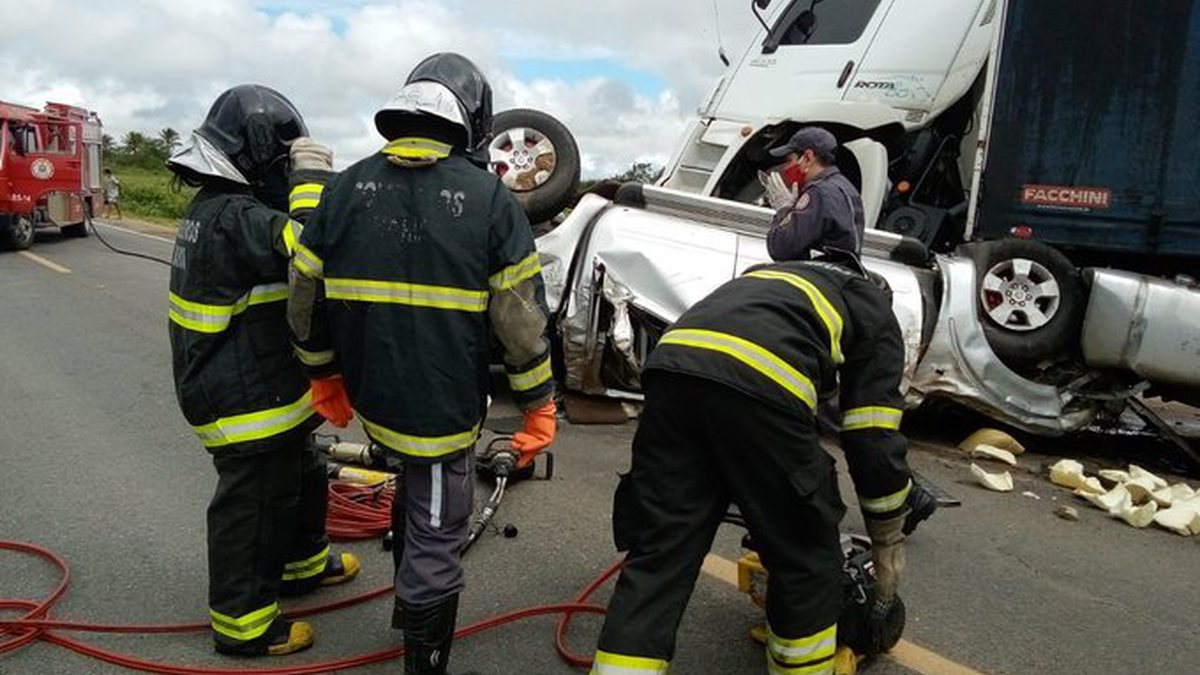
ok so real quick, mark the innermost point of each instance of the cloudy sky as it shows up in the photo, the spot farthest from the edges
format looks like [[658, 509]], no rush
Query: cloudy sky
[[624, 75]]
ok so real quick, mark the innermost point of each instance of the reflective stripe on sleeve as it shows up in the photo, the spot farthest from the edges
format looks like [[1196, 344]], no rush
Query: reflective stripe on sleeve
[[886, 503], [531, 378], [309, 263], [809, 654], [514, 274], [607, 663], [871, 417], [821, 304], [400, 293], [307, 568], [205, 318], [291, 235], [246, 626], [313, 359], [305, 196], [760, 359], [430, 447], [256, 425]]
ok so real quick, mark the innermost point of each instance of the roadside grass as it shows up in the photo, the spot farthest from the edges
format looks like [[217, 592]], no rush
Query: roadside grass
[[148, 194]]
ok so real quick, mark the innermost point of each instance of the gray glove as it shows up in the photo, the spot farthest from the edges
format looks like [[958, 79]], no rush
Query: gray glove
[[887, 547], [779, 195], [307, 154]]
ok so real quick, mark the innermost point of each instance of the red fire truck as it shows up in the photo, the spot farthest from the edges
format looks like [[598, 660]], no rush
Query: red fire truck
[[49, 170]]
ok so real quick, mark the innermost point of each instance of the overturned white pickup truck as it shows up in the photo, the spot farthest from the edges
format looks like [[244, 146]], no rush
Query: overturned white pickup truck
[[618, 273]]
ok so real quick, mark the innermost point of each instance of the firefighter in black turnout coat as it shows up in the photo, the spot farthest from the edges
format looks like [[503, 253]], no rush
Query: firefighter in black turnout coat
[[731, 392], [238, 383], [413, 259]]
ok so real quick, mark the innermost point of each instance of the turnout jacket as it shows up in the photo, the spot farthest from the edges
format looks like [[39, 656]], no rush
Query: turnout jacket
[[236, 379], [412, 259], [783, 333]]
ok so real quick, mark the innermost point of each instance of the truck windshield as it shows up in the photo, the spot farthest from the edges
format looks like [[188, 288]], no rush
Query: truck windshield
[[820, 22]]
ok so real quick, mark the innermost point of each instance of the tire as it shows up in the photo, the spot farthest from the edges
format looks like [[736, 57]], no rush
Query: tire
[[536, 157], [18, 233], [1031, 300]]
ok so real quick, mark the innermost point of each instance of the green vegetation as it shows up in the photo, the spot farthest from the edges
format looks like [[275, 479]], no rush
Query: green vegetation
[[148, 190]]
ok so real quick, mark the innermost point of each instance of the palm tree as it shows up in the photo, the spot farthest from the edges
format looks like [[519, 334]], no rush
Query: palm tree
[[170, 139], [134, 142], [106, 144]]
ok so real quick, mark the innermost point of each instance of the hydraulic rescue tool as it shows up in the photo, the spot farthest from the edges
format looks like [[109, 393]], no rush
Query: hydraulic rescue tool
[[498, 462], [865, 628]]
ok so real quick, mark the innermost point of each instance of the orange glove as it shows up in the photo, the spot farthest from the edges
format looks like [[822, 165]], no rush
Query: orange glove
[[537, 434], [330, 401]]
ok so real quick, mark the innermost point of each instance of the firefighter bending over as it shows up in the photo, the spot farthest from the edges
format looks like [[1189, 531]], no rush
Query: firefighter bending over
[[237, 381], [412, 254], [731, 390]]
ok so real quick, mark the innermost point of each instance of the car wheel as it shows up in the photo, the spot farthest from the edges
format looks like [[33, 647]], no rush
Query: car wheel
[[19, 234], [1031, 300], [537, 159]]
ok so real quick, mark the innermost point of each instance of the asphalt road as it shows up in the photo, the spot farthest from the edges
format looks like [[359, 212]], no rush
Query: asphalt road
[[98, 465]]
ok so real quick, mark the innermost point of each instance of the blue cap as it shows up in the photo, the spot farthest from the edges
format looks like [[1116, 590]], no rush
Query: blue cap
[[816, 139]]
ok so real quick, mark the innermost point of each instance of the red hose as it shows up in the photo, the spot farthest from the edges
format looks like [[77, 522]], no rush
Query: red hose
[[355, 512]]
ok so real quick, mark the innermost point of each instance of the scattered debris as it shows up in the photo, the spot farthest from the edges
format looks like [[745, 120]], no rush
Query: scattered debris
[[1066, 512], [1069, 474], [1111, 501], [1000, 482], [1031, 495], [1138, 516], [1136, 472], [1141, 490], [992, 452], [1115, 476], [1182, 519], [993, 437], [1182, 492]]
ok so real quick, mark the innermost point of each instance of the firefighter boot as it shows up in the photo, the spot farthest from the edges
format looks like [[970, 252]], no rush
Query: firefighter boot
[[428, 634], [283, 637], [339, 569]]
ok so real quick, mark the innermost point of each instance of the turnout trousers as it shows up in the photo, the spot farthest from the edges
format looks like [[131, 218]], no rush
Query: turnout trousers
[[700, 446], [266, 535]]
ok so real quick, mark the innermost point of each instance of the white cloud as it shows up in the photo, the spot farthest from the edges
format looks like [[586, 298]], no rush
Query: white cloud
[[145, 65]]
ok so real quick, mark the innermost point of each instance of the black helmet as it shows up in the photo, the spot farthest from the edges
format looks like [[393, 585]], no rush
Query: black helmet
[[456, 74], [251, 125]]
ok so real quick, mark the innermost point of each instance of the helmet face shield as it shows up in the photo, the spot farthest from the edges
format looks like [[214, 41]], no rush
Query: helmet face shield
[[251, 125], [430, 81]]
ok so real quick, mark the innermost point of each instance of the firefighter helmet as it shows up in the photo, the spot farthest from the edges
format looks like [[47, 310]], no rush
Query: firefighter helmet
[[448, 86], [247, 129]]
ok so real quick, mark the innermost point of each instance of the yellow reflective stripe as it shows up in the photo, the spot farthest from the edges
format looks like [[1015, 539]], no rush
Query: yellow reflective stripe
[[307, 568], [420, 446], [206, 318], [531, 378], [607, 663], [305, 196], [762, 360], [802, 651], [314, 359], [824, 308], [514, 274], [400, 293], [291, 235], [417, 148], [886, 503], [309, 263], [256, 425], [246, 626], [871, 417]]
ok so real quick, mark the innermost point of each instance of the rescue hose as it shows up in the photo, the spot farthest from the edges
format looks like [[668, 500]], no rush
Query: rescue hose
[[87, 216], [36, 625]]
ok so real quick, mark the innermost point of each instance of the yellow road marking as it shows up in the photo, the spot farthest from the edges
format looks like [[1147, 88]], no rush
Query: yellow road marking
[[44, 263], [905, 653]]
